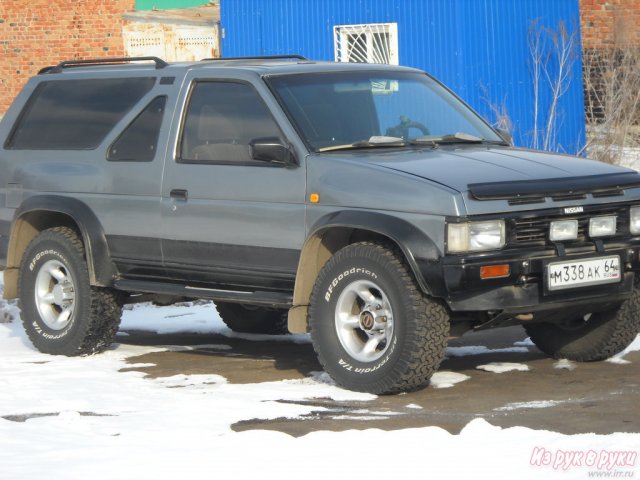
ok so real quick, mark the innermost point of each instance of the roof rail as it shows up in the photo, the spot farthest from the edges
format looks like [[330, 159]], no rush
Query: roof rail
[[101, 61], [264, 57]]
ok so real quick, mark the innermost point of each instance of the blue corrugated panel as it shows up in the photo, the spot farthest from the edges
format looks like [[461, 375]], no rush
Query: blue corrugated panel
[[479, 48]]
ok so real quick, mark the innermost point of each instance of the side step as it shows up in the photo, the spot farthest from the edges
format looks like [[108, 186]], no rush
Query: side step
[[270, 299]]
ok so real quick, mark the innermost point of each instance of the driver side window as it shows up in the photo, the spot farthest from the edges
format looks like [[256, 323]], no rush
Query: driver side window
[[221, 121]]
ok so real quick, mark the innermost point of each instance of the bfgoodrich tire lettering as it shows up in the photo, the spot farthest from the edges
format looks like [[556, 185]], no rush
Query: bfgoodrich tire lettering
[[596, 337], [371, 326], [61, 312]]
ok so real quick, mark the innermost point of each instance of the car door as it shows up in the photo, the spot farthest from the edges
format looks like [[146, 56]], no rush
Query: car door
[[228, 219]]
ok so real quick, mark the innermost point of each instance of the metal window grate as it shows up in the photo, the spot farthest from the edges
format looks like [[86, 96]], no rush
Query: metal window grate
[[370, 43]]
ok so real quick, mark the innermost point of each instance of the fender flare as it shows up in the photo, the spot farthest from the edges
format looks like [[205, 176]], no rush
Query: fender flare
[[419, 250], [416, 246], [102, 271]]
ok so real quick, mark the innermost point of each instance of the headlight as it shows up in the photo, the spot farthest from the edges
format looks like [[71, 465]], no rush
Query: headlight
[[635, 220], [563, 230], [475, 236], [602, 226]]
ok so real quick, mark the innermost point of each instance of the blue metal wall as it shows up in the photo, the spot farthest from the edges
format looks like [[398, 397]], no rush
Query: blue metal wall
[[479, 48]]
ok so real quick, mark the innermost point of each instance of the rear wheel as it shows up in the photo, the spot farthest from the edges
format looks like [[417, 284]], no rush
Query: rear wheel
[[62, 313], [250, 319], [371, 326], [595, 336]]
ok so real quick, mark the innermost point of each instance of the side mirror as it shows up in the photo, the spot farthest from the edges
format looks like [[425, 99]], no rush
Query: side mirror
[[271, 149], [505, 135]]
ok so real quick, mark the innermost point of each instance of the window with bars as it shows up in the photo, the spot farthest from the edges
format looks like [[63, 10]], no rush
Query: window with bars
[[370, 43]]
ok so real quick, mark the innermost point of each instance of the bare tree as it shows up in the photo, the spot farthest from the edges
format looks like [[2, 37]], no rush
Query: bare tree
[[500, 112], [612, 92], [553, 53]]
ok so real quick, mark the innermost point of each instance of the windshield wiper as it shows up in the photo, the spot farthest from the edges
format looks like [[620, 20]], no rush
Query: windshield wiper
[[458, 137], [376, 141]]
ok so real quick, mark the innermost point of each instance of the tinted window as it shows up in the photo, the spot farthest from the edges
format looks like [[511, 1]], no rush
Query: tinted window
[[139, 140], [222, 119], [75, 114]]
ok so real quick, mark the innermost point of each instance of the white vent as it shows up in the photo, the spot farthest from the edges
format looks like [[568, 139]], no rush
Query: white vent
[[371, 43], [195, 43], [170, 42], [143, 43]]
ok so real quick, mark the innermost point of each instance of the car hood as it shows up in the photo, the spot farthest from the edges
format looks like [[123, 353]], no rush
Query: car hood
[[464, 167]]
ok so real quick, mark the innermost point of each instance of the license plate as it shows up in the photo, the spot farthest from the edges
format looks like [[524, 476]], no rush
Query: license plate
[[582, 273]]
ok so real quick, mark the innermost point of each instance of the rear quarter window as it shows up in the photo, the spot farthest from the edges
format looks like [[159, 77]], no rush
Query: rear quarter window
[[139, 141], [75, 114]]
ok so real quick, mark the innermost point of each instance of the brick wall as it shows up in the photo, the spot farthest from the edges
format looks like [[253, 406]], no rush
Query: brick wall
[[611, 55], [37, 33], [606, 23]]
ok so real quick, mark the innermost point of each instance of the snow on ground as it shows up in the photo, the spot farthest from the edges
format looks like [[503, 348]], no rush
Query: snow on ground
[[502, 367], [192, 318], [619, 358], [447, 379], [532, 404], [631, 158], [482, 350], [564, 364], [78, 418], [527, 342]]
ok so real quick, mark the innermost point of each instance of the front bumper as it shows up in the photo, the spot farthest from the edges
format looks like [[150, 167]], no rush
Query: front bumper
[[524, 290]]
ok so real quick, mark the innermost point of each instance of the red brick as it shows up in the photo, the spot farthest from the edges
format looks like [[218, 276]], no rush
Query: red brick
[[609, 22], [38, 33]]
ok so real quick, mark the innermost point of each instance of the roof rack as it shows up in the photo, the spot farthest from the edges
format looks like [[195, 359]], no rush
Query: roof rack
[[101, 61], [264, 57]]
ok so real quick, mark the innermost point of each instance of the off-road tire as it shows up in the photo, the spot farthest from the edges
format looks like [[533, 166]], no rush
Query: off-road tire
[[249, 319], [601, 336], [414, 344], [96, 312]]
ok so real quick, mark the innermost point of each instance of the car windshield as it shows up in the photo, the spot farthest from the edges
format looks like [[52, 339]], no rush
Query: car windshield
[[374, 109]]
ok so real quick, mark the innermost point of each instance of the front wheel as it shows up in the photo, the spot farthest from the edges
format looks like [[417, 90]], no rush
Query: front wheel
[[61, 312], [371, 326], [596, 336]]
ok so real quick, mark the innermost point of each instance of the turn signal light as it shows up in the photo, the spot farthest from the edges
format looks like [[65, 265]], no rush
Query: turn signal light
[[494, 271]]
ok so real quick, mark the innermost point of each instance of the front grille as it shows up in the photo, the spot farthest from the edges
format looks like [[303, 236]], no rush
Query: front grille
[[534, 230]]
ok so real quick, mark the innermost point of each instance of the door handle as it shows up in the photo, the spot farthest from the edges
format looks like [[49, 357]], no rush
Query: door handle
[[179, 194]]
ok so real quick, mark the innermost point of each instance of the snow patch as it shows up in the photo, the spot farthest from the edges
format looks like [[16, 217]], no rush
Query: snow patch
[[481, 350], [183, 380], [190, 317], [365, 415], [502, 367], [363, 418], [200, 346], [447, 379], [630, 157], [527, 342], [619, 358], [532, 404], [132, 366], [564, 364], [9, 310]]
